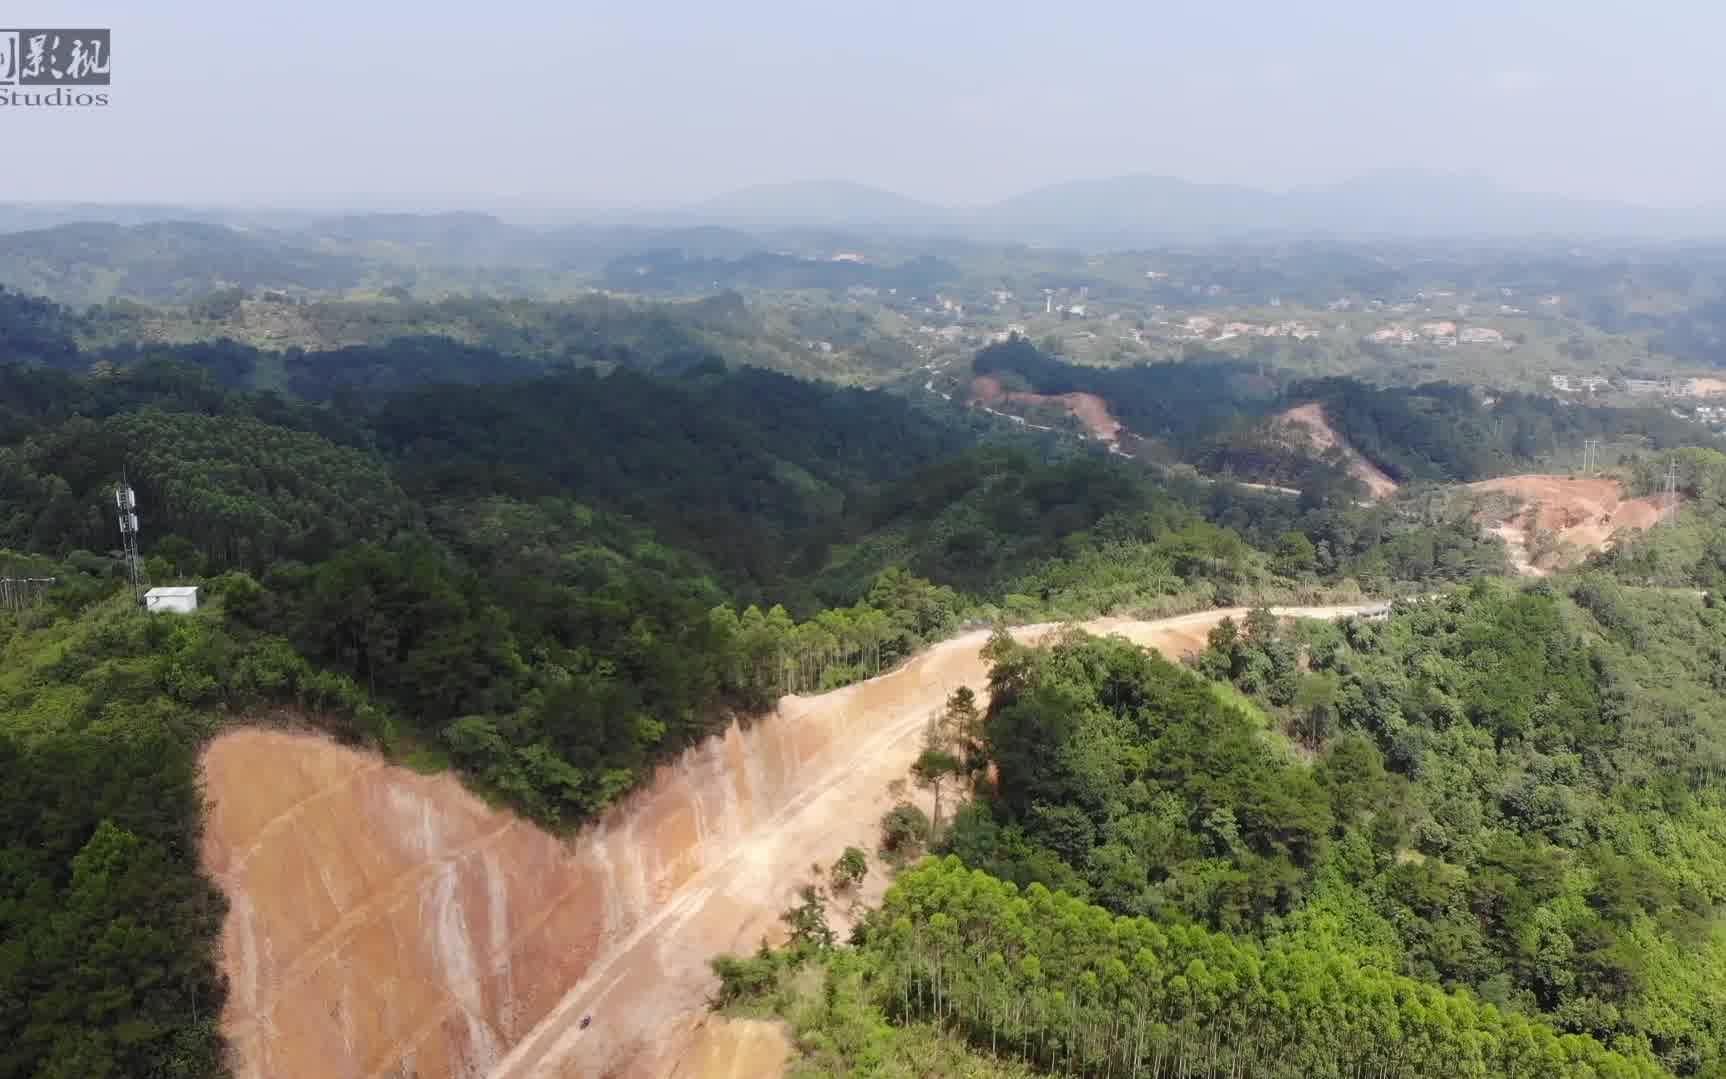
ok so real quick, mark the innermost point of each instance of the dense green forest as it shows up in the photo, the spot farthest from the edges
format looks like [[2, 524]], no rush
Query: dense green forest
[[106, 923], [1693, 552], [184, 259], [267, 339], [89, 262], [1042, 980], [1213, 413], [552, 553], [1447, 432], [1483, 837], [1181, 404]]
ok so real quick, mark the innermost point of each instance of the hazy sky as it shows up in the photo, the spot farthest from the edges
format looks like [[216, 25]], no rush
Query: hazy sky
[[582, 104]]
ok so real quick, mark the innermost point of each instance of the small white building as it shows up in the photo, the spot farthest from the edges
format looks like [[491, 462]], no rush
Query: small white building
[[180, 600]]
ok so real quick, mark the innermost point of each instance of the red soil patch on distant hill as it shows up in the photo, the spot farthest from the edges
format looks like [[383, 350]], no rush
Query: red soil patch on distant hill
[[1087, 408], [1582, 513], [1311, 420]]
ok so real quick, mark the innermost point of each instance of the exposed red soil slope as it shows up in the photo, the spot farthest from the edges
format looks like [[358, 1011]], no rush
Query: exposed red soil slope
[[1087, 408], [735, 1049], [385, 923], [1582, 513], [1312, 424]]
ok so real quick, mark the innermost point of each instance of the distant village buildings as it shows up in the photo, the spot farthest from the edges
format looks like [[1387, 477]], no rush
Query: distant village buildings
[[1443, 333], [1640, 387]]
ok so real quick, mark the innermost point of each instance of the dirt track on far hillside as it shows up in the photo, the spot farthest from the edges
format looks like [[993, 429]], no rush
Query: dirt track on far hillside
[[1310, 418], [385, 923], [1580, 514]]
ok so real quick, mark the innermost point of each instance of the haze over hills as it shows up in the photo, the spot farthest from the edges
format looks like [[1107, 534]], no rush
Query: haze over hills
[[1094, 213], [821, 202], [1112, 212]]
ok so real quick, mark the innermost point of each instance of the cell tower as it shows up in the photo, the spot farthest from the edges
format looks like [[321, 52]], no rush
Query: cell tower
[[1590, 456], [1671, 491], [126, 503]]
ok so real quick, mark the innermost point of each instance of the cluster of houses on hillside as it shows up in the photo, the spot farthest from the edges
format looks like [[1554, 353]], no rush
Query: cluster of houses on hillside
[[1206, 328], [1580, 383], [1642, 387], [1442, 333]]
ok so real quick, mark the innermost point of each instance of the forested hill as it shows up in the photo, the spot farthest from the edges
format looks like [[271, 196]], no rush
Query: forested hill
[[726, 463], [1485, 837], [1452, 433], [548, 572], [544, 583], [185, 261], [514, 550], [164, 260], [1181, 404], [731, 465], [1215, 413], [270, 337]]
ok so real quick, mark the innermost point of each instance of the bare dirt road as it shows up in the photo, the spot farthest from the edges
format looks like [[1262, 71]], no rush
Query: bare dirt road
[[385, 923], [658, 981]]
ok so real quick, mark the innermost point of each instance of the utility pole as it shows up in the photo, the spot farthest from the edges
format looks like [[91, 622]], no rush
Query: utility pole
[[1671, 514]]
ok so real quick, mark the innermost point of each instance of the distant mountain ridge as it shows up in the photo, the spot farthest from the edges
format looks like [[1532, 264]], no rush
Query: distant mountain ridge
[[1146, 208], [177, 258], [90, 253]]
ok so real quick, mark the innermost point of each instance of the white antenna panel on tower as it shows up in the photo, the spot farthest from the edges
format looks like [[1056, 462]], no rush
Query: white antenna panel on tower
[[133, 519]]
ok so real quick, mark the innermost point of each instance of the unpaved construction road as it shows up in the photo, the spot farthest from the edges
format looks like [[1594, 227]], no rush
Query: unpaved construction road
[[649, 993], [385, 923]]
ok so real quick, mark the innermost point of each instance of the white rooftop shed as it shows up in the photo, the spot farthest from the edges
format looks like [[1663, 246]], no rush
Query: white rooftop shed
[[180, 600]]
